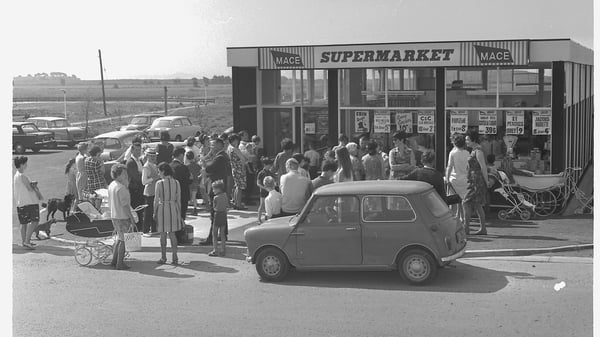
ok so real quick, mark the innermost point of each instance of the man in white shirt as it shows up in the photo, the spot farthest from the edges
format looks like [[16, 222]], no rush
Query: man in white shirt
[[295, 189], [120, 212]]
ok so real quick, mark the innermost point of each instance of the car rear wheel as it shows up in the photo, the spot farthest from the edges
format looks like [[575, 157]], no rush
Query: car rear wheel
[[35, 149], [272, 265], [417, 267], [19, 149], [71, 144], [178, 138]]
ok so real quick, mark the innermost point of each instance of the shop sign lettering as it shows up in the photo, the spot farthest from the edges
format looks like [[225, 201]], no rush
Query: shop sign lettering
[[404, 122], [493, 55], [361, 121], [381, 122], [515, 122], [542, 123], [426, 122], [488, 122], [285, 60], [459, 122], [407, 55]]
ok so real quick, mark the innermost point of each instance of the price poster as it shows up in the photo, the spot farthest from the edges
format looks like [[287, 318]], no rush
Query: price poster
[[404, 122], [310, 128], [361, 121], [487, 123], [515, 122], [322, 125], [381, 122], [459, 121], [542, 123], [426, 122]]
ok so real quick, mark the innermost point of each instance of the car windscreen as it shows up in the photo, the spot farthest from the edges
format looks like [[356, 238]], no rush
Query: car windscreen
[[435, 204], [161, 124], [60, 124], [139, 120], [29, 128], [109, 143]]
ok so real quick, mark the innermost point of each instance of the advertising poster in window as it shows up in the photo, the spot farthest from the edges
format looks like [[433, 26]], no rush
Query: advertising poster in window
[[542, 123], [426, 122], [404, 122], [361, 121], [488, 123], [515, 122], [310, 128], [459, 121], [322, 125], [381, 122]]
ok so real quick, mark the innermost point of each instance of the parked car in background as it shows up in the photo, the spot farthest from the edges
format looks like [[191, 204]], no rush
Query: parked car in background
[[26, 135], [116, 143], [178, 127], [141, 122], [363, 225], [64, 133]]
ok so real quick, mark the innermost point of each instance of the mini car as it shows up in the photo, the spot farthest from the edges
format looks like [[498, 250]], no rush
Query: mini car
[[178, 127], [27, 136], [363, 225], [116, 143], [141, 122], [64, 133]]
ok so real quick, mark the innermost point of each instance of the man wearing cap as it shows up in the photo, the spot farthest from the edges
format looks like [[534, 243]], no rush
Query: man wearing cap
[[149, 178]]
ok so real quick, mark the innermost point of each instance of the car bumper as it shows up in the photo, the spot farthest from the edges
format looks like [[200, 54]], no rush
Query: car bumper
[[456, 255]]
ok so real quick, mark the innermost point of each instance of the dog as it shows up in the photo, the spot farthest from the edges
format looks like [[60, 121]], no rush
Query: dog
[[64, 205], [44, 226]]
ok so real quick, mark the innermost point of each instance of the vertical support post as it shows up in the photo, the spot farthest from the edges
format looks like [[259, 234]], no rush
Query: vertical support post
[[102, 82], [558, 146], [166, 110], [332, 104], [441, 129]]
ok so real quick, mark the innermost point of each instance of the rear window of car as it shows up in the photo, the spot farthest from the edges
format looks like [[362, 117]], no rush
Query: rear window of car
[[435, 204], [29, 128], [161, 124], [186, 122], [388, 208], [139, 120]]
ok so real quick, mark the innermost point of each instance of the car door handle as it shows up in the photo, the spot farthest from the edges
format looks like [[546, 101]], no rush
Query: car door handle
[[351, 229], [297, 233]]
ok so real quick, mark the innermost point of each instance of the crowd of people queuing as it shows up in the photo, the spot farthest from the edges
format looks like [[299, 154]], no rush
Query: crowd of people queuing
[[225, 170]]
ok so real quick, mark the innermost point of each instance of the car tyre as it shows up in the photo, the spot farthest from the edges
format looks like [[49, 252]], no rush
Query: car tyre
[[71, 144], [417, 267], [19, 149], [35, 149], [178, 138], [272, 265]]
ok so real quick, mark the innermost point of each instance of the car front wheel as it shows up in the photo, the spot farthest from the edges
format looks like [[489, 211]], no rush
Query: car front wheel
[[272, 265], [417, 267], [19, 149]]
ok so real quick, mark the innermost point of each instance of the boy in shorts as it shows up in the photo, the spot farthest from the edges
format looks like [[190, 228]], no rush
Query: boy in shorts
[[220, 203], [27, 196], [265, 172]]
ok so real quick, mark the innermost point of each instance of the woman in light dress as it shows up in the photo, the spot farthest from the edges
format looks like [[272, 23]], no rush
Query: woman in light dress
[[456, 171], [167, 211]]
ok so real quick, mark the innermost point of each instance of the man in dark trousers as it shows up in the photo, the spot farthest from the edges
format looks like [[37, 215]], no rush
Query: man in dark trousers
[[216, 167], [428, 174], [182, 174], [136, 189]]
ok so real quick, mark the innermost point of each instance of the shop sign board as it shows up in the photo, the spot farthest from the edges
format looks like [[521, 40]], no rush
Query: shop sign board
[[542, 123], [459, 121], [515, 122], [361, 121], [310, 128], [488, 122], [388, 55], [426, 122], [404, 122], [490, 53], [381, 122]]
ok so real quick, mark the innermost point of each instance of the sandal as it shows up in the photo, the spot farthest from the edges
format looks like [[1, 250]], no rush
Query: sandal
[[27, 246], [213, 253], [161, 261], [175, 262]]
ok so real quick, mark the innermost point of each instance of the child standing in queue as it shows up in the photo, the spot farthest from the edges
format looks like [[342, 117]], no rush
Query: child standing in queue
[[220, 203], [265, 172]]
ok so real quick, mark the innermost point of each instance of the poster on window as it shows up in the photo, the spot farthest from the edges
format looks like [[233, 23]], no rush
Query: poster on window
[[381, 122], [488, 123], [361, 121], [542, 123], [404, 122], [310, 128], [515, 122], [322, 125], [426, 122], [459, 121]]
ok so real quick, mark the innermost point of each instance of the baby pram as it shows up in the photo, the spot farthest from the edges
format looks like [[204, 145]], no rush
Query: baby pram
[[516, 199]]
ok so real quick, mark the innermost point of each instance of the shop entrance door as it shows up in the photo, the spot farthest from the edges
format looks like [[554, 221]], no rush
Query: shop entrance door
[[278, 124]]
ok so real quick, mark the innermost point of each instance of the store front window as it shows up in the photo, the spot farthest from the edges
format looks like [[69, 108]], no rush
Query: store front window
[[279, 123]]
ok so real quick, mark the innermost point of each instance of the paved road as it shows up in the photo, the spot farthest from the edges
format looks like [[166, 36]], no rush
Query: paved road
[[223, 297]]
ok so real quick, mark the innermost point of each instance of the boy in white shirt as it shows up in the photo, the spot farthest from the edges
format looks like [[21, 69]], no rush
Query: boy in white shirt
[[273, 199]]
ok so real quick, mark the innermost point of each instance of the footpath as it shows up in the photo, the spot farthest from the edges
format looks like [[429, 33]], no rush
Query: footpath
[[505, 237]]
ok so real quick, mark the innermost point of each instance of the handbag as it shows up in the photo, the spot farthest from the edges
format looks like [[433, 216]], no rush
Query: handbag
[[453, 199], [133, 240]]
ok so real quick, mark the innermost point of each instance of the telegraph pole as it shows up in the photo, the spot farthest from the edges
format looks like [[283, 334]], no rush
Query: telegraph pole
[[165, 101], [102, 81]]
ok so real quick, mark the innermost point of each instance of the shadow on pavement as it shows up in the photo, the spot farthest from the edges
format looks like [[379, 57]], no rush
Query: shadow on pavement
[[168, 270], [456, 279], [39, 249]]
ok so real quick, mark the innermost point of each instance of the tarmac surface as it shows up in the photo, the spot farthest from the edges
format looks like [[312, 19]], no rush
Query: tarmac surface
[[513, 237]]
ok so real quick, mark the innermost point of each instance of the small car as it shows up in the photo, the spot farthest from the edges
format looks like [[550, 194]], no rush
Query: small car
[[116, 143], [27, 136], [64, 133], [362, 225], [141, 122], [178, 127]]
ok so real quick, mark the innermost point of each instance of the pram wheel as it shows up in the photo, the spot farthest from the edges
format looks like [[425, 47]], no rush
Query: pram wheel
[[105, 253], [525, 215], [502, 214], [83, 256]]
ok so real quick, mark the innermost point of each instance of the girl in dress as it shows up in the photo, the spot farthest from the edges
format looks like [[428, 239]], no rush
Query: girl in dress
[[477, 181], [167, 211]]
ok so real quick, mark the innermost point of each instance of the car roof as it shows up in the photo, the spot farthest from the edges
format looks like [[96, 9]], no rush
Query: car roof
[[118, 134], [403, 187], [46, 118], [148, 115], [170, 118]]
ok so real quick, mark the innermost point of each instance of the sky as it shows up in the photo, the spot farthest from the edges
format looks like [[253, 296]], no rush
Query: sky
[[144, 39]]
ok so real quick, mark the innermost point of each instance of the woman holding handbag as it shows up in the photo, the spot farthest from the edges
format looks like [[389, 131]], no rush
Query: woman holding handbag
[[167, 211]]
